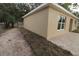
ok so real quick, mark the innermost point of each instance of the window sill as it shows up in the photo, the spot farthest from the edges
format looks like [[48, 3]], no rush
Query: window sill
[[60, 30]]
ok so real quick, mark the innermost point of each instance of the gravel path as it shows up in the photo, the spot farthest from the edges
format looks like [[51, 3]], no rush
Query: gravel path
[[12, 44], [69, 41]]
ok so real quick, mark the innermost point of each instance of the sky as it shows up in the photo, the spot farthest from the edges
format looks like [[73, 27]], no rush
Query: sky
[[73, 9]]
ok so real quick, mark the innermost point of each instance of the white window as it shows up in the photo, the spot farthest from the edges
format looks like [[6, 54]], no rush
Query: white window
[[61, 22]]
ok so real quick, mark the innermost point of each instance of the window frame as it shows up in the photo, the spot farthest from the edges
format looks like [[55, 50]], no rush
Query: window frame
[[60, 21]]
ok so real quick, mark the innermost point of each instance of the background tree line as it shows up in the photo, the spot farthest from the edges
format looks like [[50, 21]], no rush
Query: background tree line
[[11, 13], [67, 7]]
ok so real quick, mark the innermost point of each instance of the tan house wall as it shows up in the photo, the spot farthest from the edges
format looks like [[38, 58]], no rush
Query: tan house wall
[[74, 24], [45, 22], [53, 18], [37, 22]]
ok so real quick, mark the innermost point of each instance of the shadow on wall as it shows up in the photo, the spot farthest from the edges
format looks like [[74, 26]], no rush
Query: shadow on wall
[[42, 47]]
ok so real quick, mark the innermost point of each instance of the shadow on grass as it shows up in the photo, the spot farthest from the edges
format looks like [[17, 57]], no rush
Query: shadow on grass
[[42, 47]]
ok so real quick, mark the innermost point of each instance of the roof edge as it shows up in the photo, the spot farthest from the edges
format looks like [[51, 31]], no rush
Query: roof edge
[[34, 10], [65, 10], [45, 5]]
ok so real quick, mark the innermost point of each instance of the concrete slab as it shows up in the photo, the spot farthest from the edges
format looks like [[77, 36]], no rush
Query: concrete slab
[[69, 41]]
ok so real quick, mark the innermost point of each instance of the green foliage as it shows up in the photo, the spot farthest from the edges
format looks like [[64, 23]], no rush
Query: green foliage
[[12, 12], [11, 18], [76, 13], [65, 5]]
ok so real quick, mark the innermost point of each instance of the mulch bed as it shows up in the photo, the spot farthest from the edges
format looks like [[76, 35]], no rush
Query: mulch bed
[[76, 31], [41, 46]]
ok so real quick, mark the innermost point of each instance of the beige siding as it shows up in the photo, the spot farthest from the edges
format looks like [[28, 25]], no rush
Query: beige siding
[[37, 22], [53, 23], [45, 22], [74, 25]]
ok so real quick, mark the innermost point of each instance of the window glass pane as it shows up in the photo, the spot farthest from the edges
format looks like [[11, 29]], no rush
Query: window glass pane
[[63, 20], [62, 26], [59, 25], [60, 20]]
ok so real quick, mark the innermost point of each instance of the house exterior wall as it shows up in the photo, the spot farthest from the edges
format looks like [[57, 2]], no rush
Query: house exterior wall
[[37, 22], [53, 18], [45, 22], [74, 24]]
